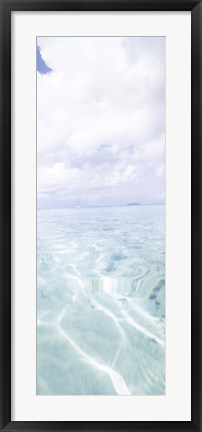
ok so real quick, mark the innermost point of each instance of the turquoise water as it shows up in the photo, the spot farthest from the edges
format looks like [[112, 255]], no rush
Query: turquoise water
[[101, 301]]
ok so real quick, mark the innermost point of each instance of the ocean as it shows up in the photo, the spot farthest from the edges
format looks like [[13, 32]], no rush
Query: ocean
[[101, 301]]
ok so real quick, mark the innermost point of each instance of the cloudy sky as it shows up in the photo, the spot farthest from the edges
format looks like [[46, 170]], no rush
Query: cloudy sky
[[100, 120]]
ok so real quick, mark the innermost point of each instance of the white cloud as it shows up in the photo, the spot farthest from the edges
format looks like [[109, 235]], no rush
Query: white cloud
[[160, 170], [100, 119]]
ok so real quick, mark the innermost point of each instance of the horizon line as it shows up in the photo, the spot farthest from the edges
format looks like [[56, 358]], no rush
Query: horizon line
[[102, 206]]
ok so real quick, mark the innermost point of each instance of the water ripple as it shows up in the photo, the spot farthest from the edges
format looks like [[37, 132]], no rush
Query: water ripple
[[101, 301]]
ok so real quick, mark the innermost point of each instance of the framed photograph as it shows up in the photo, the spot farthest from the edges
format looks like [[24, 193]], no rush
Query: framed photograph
[[100, 215]]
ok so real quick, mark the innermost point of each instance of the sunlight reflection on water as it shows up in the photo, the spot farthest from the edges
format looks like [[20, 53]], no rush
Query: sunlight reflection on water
[[101, 301]]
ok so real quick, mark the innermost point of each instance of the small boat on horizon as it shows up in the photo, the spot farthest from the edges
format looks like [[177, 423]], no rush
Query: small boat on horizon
[[78, 204]]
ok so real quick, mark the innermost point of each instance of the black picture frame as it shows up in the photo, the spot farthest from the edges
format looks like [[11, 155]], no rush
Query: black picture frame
[[6, 8]]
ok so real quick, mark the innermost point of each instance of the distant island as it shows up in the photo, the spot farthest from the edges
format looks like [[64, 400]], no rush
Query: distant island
[[133, 204]]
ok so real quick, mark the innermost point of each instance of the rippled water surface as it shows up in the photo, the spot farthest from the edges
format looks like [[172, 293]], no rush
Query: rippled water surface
[[101, 301]]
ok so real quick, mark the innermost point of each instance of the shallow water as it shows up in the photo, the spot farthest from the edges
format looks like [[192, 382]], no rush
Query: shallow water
[[101, 301]]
